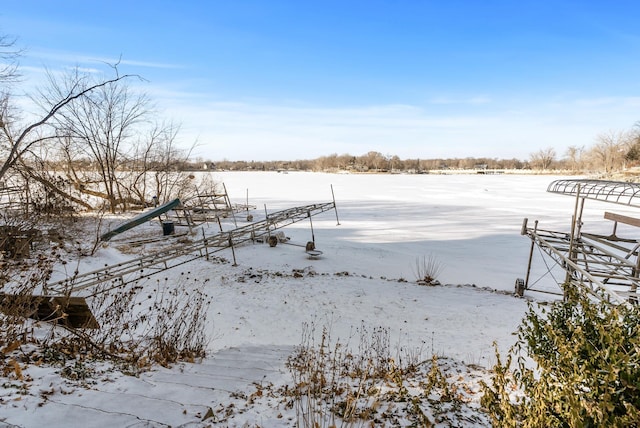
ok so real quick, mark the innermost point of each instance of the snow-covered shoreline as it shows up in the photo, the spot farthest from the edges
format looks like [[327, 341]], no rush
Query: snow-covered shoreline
[[365, 278]]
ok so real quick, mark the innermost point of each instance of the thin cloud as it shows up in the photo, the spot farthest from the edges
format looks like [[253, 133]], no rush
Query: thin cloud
[[71, 57], [254, 131], [84, 69]]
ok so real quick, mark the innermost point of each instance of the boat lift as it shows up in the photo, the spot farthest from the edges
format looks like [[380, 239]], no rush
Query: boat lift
[[606, 266], [64, 301], [133, 270]]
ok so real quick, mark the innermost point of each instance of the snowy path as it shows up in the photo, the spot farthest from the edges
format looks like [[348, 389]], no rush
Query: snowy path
[[180, 396]]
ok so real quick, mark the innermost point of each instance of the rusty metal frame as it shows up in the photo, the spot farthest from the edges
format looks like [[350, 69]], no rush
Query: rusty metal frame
[[607, 267], [618, 192], [121, 274]]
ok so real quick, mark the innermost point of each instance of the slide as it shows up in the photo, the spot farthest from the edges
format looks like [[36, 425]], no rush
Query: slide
[[139, 219]]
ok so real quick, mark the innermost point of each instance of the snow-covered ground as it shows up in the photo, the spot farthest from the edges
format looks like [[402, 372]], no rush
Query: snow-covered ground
[[365, 278]]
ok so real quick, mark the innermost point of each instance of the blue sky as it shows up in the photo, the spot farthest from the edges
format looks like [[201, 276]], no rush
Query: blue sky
[[266, 80]]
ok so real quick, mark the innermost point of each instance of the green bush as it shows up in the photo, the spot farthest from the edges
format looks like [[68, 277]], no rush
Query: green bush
[[585, 371]]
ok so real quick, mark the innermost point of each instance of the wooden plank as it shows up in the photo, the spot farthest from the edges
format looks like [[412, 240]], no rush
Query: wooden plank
[[631, 221], [69, 311]]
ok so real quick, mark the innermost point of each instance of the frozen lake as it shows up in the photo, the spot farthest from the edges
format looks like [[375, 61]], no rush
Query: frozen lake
[[470, 223]]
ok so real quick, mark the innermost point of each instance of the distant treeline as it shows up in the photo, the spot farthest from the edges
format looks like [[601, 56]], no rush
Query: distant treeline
[[372, 161], [612, 151]]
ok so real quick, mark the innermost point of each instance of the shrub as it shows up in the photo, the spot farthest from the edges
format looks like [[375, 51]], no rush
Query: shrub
[[144, 325], [427, 269], [335, 384], [587, 367], [158, 323]]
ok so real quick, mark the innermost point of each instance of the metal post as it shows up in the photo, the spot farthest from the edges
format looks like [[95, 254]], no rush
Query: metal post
[[205, 242], [266, 218], [335, 208], [579, 220], [228, 201], [313, 237], [526, 280], [233, 252], [574, 221]]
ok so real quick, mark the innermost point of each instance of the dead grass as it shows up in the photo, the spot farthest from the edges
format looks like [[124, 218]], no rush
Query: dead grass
[[337, 386]]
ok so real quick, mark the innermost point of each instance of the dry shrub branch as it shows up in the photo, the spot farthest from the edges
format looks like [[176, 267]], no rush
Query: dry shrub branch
[[157, 322], [427, 269], [335, 385]]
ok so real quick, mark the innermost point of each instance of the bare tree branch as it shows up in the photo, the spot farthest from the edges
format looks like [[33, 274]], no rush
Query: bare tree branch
[[19, 146]]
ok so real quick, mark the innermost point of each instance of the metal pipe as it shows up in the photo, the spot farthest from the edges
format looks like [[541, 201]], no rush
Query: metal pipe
[[313, 237], [574, 220], [334, 206], [526, 280], [228, 201]]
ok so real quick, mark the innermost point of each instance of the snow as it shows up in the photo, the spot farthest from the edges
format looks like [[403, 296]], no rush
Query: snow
[[365, 278]]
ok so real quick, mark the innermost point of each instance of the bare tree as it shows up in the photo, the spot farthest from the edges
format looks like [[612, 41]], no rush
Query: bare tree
[[373, 160], [574, 157], [325, 163], [102, 125], [86, 124], [543, 158], [608, 154], [169, 181], [17, 140], [9, 55], [395, 163], [633, 153]]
